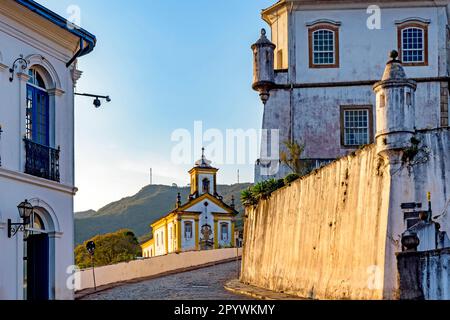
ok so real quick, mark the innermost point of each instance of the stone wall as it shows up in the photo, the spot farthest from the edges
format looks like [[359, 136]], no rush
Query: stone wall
[[335, 233], [425, 275], [324, 237]]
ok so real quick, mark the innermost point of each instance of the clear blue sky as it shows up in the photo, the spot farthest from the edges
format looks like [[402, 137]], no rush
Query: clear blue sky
[[166, 64]]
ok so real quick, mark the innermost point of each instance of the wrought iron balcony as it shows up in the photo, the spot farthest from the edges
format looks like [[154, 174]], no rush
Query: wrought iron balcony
[[42, 161]]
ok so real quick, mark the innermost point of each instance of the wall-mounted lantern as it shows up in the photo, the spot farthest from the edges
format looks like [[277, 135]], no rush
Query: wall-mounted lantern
[[25, 211]]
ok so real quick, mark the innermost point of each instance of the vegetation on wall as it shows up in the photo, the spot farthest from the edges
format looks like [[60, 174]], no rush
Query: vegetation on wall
[[291, 157], [262, 190], [111, 248]]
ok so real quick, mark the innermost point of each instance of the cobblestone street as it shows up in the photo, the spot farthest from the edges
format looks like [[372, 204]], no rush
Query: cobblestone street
[[202, 284]]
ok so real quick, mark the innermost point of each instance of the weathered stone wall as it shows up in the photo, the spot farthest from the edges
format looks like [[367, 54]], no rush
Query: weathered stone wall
[[324, 237], [425, 275], [335, 233]]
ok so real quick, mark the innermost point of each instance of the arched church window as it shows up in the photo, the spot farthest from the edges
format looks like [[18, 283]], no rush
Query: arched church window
[[206, 184]]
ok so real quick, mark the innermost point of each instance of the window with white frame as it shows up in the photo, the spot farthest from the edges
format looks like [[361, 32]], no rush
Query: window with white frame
[[323, 49], [324, 46], [413, 43], [224, 231], [356, 126], [188, 230], [413, 47]]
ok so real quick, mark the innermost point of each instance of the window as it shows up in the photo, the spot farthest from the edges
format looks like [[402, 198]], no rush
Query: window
[[413, 44], [37, 110], [324, 47], [356, 126], [224, 231], [206, 184], [188, 230], [280, 59]]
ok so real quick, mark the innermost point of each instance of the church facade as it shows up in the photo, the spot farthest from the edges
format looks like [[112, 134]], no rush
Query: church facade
[[204, 222], [315, 74], [38, 74]]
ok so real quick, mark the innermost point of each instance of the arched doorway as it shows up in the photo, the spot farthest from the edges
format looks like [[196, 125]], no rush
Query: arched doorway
[[39, 257]]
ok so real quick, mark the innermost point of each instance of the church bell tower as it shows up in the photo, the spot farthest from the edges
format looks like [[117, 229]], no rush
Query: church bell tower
[[203, 178]]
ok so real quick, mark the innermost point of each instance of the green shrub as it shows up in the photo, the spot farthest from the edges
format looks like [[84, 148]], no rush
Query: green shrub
[[291, 178], [111, 248]]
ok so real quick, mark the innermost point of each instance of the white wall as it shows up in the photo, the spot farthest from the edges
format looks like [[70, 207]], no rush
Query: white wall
[[153, 266], [33, 38], [364, 52]]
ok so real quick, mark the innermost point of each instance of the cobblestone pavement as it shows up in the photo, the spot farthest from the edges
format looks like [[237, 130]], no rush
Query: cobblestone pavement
[[202, 284]]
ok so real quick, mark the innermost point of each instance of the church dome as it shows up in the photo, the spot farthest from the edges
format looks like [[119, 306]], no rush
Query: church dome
[[203, 162]]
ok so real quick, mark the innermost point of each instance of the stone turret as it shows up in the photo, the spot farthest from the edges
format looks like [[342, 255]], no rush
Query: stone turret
[[395, 104], [263, 66]]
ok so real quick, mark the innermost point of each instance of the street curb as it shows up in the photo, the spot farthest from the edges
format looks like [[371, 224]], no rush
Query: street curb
[[237, 287]]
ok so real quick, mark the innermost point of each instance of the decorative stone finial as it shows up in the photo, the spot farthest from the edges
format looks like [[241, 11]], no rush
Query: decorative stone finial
[[263, 32], [393, 55], [232, 202], [410, 240], [178, 200], [394, 69]]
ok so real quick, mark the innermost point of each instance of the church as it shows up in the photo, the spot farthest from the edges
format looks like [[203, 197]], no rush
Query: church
[[204, 222]]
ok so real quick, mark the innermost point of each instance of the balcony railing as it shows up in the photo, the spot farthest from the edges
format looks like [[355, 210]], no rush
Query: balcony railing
[[42, 161]]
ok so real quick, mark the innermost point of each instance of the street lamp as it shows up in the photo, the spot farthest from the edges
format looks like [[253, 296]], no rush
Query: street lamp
[[97, 102], [25, 211], [90, 247]]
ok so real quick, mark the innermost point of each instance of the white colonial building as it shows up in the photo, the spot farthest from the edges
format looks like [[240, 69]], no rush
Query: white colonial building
[[316, 73], [38, 53]]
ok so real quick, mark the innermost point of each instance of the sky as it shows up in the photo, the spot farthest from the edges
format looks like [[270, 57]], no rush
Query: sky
[[166, 64]]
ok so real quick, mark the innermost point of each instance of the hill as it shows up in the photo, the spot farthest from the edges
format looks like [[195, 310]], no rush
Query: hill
[[139, 211]]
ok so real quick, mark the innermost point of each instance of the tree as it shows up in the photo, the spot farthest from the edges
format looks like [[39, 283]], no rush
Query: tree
[[291, 157], [111, 248]]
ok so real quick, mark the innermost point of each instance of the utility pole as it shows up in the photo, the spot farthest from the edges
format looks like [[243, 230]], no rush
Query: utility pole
[[238, 178], [151, 176]]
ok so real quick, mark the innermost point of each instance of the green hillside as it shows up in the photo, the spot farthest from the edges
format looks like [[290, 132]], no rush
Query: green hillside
[[139, 211]]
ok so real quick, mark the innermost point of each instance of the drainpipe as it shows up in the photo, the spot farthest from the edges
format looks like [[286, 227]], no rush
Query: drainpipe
[[76, 54]]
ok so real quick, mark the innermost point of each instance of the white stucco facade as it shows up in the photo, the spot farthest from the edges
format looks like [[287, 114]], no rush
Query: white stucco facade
[[306, 100], [47, 48]]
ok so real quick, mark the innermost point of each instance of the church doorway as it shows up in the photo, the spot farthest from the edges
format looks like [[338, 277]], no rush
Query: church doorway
[[206, 241]]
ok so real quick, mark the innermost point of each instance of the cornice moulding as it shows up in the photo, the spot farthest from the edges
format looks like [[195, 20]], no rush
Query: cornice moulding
[[25, 178]]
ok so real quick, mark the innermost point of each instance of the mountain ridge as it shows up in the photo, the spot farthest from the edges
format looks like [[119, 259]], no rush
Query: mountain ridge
[[138, 211]]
